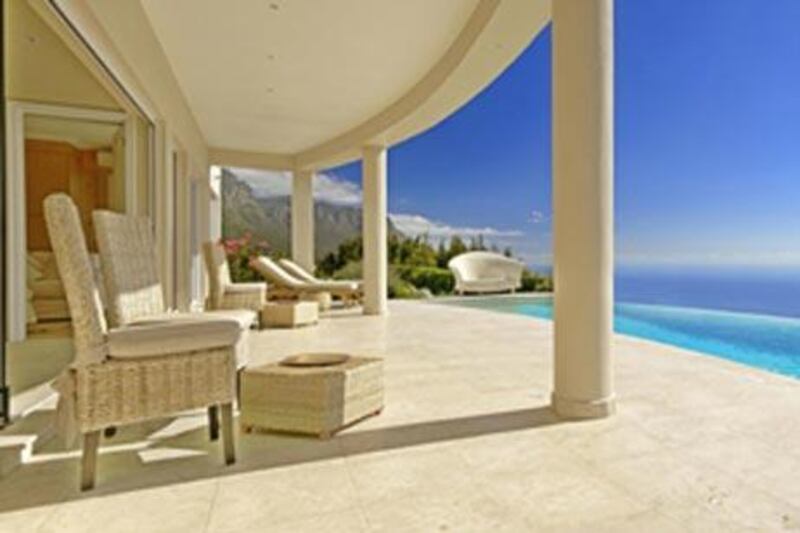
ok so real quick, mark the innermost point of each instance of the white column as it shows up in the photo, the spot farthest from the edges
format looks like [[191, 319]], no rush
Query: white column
[[583, 175], [303, 219], [374, 230]]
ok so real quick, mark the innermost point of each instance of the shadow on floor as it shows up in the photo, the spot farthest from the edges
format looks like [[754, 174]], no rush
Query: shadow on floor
[[123, 466]]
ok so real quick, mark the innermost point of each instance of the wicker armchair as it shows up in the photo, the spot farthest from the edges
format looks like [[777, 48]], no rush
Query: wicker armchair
[[223, 292], [132, 374], [130, 269]]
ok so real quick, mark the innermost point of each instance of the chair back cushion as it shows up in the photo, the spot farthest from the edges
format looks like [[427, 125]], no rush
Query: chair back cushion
[[75, 269], [130, 267], [219, 275]]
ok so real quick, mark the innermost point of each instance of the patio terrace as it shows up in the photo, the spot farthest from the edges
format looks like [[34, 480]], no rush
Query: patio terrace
[[467, 442]]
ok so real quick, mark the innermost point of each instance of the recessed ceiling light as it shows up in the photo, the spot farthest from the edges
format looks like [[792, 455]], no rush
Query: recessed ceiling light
[[274, 6], [270, 90], [271, 57]]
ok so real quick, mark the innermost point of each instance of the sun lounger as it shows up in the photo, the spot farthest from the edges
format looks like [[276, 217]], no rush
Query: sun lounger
[[302, 274], [291, 286]]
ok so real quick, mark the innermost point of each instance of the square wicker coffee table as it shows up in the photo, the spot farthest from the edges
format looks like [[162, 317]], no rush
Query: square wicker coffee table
[[289, 314], [316, 400]]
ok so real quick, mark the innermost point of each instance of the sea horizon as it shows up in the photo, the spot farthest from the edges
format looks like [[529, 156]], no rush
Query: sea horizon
[[758, 289]]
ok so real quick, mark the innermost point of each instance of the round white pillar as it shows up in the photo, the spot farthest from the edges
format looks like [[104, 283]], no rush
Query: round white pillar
[[583, 170], [302, 223], [375, 229]]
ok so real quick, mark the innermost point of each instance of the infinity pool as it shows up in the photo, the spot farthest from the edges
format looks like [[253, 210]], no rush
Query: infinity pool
[[763, 341]]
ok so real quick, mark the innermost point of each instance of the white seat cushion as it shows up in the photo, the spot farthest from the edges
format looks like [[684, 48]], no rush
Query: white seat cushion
[[171, 337], [243, 317]]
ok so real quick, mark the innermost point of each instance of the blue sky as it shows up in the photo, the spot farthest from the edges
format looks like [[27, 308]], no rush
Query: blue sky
[[707, 142]]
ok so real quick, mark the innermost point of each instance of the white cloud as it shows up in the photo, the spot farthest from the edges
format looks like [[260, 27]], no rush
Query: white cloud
[[537, 217], [327, 187], [335, 190], [265, 183], [414, 225]]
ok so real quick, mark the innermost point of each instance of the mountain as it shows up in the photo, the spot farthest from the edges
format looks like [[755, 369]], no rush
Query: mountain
[[268, 218]]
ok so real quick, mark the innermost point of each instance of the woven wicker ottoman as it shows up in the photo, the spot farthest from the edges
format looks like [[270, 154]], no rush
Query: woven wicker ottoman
[[311, 400], [322, 299], [289, 314]]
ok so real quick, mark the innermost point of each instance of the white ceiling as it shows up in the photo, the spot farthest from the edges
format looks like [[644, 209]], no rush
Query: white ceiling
[[283, 76]]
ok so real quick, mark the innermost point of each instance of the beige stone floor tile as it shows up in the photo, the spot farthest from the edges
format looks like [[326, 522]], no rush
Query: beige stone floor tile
[[611, 440], [756, 463], [508, 452], [668, 480], [678, 431], [413, 471], [276, 495], [743, 457], [700, 496], [740, 509], [456, 509], [25, 520], [555, 488], [173, 508], [648, 521], [345, 521]]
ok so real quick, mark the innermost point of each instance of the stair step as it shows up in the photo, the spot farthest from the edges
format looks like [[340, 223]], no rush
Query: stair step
[[29, 430], [51, 309], [47, 289]]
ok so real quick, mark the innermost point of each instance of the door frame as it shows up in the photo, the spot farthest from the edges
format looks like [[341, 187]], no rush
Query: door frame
[[16, 223]]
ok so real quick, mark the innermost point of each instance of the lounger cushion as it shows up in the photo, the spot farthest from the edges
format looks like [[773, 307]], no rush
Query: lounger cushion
[[246, 287], [169, 337], [334, 286]]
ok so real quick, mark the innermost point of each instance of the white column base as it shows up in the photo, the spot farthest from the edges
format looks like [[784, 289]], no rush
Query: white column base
[[572, 409], [375, 311]]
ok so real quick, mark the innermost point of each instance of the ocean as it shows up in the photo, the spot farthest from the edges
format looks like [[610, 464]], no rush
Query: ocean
[[769, 291]]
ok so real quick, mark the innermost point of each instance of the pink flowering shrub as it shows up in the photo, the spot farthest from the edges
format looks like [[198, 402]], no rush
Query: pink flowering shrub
[[240, 251]]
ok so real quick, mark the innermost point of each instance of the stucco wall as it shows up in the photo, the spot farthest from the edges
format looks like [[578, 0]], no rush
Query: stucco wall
[[42, 69], [127, 25]]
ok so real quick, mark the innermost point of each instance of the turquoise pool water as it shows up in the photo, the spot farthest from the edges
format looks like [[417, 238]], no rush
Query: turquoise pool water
[[763, 341]]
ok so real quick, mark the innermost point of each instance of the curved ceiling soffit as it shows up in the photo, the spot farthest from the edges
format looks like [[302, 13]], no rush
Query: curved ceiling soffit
[[370, 131]]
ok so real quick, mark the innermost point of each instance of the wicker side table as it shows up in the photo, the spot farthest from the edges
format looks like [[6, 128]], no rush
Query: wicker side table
[[312, 400], [322, 299], [289, 314]]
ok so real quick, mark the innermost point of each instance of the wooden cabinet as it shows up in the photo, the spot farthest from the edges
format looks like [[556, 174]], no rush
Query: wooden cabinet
[[52, 166]]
